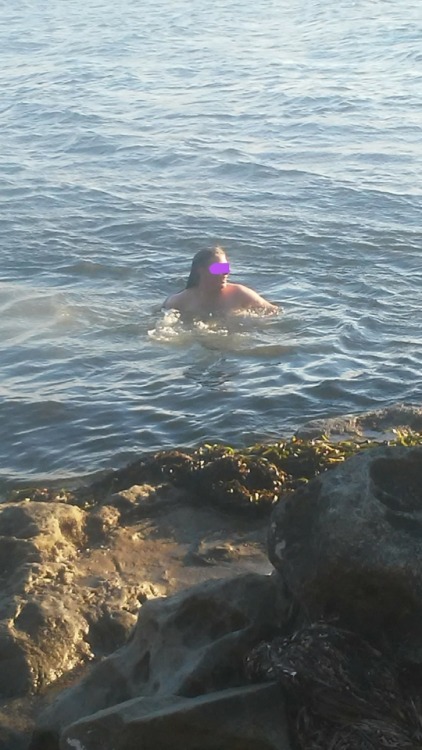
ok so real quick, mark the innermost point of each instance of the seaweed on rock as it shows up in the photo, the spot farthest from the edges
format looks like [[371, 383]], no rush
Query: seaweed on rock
[[343, 694], [250, 479]]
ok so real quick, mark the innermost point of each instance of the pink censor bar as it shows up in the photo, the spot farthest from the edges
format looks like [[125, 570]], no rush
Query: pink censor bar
[[219, 268]]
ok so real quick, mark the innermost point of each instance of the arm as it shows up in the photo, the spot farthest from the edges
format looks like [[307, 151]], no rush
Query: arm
[[173, 302], [167, 305], [179, 301], [248, 299]]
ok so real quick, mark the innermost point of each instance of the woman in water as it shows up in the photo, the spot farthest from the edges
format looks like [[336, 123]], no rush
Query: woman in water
[[208, 292]]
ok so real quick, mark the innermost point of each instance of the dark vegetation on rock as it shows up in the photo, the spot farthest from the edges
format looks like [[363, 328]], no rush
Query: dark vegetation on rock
[[343, 694], [249, 480]]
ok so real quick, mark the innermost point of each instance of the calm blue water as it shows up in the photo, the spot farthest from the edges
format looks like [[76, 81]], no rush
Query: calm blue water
[[134, 134]]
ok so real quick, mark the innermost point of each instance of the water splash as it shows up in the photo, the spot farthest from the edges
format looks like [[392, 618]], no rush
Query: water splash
[[248, 333]]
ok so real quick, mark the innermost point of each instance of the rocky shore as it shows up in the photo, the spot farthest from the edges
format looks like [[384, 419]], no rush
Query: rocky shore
[[263, 599]]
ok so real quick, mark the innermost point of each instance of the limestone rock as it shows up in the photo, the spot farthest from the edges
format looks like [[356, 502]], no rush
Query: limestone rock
[[142, 501], [48, 623], [75, 571], [190, 644], [73, 576], [53, 532], [248, 718], [365, 425], [349, 545]]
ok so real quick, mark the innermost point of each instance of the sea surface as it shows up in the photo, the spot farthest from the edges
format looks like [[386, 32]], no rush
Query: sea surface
[[134, 134]]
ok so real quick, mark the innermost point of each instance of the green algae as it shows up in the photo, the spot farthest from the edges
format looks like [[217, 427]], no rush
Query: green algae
[[263, 473], [250, 479]]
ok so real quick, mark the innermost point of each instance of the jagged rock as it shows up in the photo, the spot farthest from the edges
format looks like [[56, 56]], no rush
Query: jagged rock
[[248, 718], [54, 532], [379, 421], [187, 645], [349, 545], [48, 623], [73, 577]]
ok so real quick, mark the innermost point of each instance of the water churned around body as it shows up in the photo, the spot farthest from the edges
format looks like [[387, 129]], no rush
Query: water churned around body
[[135, 134]]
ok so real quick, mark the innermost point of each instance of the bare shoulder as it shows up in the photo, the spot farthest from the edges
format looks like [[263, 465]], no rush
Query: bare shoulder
[[177, 301], [248, 298]]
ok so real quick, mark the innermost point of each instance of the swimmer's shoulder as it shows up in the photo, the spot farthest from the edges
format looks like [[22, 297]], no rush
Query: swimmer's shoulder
[[246, 297], [179, 301]]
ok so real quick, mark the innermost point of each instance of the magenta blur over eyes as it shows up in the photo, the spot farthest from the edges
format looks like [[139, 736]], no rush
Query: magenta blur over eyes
[[219, 268]]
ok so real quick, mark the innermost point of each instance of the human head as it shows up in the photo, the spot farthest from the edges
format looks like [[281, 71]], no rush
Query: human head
[[201, 261]]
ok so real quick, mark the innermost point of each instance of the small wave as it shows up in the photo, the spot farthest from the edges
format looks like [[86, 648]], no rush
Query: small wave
[[245, 334], [166, 329], [171, 329]]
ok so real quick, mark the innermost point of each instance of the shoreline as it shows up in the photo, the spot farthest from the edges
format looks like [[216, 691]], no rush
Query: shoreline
[[151, 529], [375, 424]]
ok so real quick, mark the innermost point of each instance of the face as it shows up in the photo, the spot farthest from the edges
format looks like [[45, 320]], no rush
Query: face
[[215, 275], [210, 279]]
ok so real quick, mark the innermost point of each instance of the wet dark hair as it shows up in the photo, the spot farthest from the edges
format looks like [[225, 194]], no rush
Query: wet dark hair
[[202, 258]]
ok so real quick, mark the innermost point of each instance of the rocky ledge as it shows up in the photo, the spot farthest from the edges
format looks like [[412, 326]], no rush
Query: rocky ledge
[[77, 566], [139, 615]]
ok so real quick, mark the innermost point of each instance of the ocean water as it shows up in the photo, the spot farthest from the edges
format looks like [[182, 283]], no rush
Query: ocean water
[[134, 134]]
